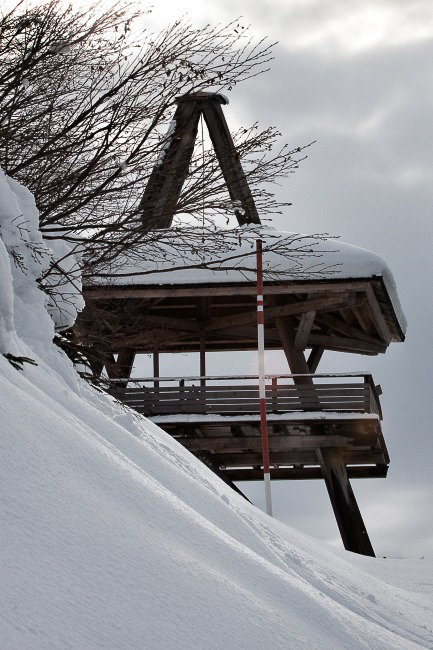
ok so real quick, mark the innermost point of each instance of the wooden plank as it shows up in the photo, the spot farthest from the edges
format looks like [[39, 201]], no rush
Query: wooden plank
[[317, 390], [170, 322], [295, 457], [186, 406], [225, 398], [276, 443], [228, 397], [218, 378], [306, 473], [290, 387]]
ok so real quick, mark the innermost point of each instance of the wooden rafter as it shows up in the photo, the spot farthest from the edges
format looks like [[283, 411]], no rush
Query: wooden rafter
[[304, 330], [348, 344], [277, 443], [327, 303], [378, 318], [334, 324]]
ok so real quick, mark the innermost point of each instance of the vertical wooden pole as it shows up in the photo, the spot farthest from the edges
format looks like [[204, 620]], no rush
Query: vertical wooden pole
[[202, 361], [155, 365], [262, 389], [274, 395]]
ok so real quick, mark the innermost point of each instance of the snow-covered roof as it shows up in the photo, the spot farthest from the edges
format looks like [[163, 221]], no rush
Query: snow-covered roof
[[228, 257]]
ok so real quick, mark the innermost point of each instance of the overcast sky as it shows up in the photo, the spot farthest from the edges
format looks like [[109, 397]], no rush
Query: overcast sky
[[356, 76]]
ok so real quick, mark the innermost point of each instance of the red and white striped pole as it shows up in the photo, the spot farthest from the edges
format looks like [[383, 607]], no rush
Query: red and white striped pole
[[262, 390]]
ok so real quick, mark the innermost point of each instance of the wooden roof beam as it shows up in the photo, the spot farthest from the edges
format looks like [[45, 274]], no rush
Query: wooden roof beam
[[297, 457], [305, 473], [157, 291]]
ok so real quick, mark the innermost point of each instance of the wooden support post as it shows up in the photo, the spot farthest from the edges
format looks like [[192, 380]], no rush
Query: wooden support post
[[125, 362], [352, 528], [202, 361], [156, 364], [274, 395], [120, 369], [295, 358]]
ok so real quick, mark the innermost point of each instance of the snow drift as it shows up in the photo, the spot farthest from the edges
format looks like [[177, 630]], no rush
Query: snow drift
[[114, 536]]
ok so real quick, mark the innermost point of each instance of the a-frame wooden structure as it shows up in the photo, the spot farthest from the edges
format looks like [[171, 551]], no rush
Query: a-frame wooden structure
[[162, 192], [319, 426]]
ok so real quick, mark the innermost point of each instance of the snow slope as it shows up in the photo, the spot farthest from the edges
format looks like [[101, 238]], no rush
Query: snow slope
[[114, 536]]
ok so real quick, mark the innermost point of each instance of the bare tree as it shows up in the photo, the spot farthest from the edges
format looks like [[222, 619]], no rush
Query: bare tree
[[85, 98]]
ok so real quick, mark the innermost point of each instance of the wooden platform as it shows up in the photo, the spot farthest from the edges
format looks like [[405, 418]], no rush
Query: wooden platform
[[320, 426], [217, 418]]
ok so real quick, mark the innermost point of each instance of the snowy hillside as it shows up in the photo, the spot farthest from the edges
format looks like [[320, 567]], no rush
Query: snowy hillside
[[114, 536]]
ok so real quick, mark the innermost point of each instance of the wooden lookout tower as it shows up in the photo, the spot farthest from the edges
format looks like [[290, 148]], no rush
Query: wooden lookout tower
[[321, 426]]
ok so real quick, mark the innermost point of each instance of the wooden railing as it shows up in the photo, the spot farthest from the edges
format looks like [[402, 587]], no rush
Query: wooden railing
[[239, 395]]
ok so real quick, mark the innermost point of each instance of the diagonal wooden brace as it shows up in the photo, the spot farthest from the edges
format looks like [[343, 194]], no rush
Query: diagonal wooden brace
[[352, 528]]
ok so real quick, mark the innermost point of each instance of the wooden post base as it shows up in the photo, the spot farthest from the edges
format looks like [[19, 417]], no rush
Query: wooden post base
[[352, 528]]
